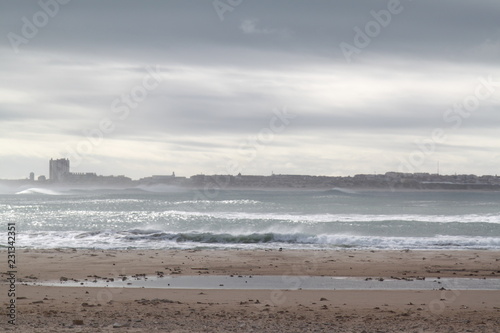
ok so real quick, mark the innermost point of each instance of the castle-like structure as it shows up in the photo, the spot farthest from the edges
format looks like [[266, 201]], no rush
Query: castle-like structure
[[59, 172], [58, 169]]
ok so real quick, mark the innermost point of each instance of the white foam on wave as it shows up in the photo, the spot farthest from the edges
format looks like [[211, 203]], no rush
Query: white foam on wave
[[36, 190], [156, 239], [216, 202], [434, 242], [318, 218], [343, 190]]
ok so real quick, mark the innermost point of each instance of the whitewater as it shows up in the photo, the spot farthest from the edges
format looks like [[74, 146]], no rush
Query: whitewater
[[165, 217]]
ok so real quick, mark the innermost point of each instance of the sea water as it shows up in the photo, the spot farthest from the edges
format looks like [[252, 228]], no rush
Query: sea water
[[164, 217], [263, 282]]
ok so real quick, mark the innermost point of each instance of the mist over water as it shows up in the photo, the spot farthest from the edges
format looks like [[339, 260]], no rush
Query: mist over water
[[168, 217]]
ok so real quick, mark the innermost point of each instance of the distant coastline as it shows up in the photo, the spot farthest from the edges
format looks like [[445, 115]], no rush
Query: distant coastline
[[60, 175], [389, 180]]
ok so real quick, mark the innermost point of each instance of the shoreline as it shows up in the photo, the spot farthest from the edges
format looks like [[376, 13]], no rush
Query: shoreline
[[51, 264], [103, 309]]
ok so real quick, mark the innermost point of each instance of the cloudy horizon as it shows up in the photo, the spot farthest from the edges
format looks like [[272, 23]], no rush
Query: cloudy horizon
[[218, 87]]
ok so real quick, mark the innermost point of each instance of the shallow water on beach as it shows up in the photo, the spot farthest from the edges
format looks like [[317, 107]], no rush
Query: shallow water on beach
[[169, 217], [284, 283]]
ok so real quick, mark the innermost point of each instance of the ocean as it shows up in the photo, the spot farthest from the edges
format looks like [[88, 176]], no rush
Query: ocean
[[165, 217]]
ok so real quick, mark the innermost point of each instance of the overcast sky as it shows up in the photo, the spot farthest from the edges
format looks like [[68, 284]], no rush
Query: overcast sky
[[251, 86]]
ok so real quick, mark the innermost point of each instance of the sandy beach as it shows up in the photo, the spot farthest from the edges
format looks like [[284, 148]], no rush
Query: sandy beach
[[84, 309]]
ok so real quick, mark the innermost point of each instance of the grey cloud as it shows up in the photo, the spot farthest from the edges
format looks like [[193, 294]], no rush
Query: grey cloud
[[174, 29], [222, 79]]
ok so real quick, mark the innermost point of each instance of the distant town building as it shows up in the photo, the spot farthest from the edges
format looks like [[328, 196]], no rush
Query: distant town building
[[32, 176], [81, 177], [41, 178], [58, 169], [59, 172], [163, 179]]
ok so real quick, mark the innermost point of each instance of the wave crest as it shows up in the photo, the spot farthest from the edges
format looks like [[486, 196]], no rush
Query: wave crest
[[36, 190], [138, 237]]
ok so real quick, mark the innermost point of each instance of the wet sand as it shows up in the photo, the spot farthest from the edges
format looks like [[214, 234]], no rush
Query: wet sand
[[85, 309]]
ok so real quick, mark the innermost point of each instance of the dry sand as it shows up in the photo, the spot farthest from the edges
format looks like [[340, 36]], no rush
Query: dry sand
[[85, 309]]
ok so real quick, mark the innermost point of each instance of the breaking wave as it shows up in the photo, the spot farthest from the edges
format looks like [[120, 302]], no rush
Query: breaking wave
[[340, 191], [139, 238], [36, 190]]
